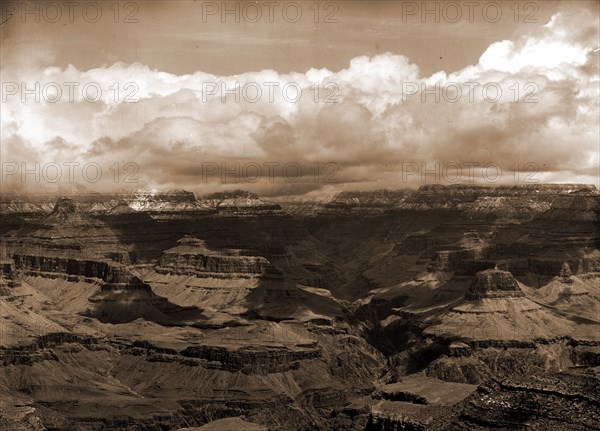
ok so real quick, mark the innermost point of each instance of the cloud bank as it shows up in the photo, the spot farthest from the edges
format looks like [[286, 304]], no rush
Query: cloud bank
[[530, 104]]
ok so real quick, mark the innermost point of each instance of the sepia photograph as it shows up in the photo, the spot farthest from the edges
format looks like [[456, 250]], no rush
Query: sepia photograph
[[310, 215]]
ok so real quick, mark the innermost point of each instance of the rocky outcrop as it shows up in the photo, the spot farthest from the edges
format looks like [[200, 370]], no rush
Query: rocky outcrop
[[248, 359], [121, 208], [64, 210], [19, 414], [416, 402], [40, 349], [379, 421], [193, 257], [458, 349], [557, 401], [464, 261], [565, 274], [466, 257], [588, 356], [8, 277], [494, 283]]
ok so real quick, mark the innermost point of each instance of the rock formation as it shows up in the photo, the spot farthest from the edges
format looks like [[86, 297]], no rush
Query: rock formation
[[441, 308], [494, 283], [566, 274], [193, 257]]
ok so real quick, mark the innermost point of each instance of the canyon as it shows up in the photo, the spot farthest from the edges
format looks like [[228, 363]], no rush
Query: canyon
[[444, 308]]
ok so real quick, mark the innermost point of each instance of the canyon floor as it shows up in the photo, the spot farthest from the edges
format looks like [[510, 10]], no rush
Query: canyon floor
[[442, 308]]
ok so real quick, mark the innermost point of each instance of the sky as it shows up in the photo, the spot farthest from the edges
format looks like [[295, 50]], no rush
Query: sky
[[293, 98]]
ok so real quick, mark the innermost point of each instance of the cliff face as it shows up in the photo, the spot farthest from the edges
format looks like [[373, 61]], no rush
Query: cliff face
[[493, 284], [200, 264], [251, 361], [109, 272], [520, 202], [193, 257], [8, 276]]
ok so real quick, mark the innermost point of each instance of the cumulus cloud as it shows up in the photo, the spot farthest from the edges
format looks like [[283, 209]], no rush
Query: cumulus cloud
[[529, 100]]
